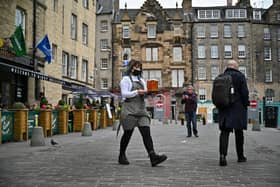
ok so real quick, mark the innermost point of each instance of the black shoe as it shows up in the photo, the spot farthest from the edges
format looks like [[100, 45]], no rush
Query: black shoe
[[157, 159], [189, 136], [223, 161], [123, 160], [242, 159], [196, 135]]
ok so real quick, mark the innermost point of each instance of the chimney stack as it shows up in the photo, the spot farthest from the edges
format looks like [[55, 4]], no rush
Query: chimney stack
[[229, 2]]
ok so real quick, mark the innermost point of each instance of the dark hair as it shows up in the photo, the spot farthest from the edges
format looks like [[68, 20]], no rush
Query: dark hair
[[131, 64]]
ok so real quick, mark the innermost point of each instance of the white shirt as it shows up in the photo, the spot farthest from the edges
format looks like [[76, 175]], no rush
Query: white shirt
[[126, 86]]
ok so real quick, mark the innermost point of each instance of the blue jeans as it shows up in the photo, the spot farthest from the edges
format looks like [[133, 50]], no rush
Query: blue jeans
[[191, 118]]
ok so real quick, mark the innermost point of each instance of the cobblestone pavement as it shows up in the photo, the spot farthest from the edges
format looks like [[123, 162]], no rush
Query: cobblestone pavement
[[92, 161]]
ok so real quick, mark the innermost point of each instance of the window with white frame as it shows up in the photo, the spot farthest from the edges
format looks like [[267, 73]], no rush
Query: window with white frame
[[104, 44], [65, 61], [201, 51], [214, 32], [266, 34], [126, 54], [73, 27], [200, 31], [236, 13], [215, 71], [241, 31], [267, 53], [104, 83], [126, 32], [153, 74], [152, 31], [20, 19], [177, 77], [268, 75], [202, 94], [104, 25], [104, 63], [209, 14], [214, 51], [177, 54], [84, 70], [177, 30], [151, 54], [227, 31], [201, 73], [257, 15], [73, 67], [54, 52], [241, 51], [85, 4], [278, 17], [243, 70], [85, 34], [227, 51]]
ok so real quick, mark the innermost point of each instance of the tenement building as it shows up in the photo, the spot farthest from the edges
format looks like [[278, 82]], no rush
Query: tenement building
[[21, 73], [191, 45], [25, 74]]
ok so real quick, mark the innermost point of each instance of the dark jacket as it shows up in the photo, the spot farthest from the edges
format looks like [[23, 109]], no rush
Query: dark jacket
[[235, 116], [190, 103]]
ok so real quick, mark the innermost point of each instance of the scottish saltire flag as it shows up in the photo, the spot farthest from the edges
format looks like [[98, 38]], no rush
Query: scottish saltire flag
[[18, 42], [45, 46]]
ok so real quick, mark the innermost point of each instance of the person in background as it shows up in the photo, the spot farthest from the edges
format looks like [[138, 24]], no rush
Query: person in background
[[234, 117], [189, 98], [134, 114]]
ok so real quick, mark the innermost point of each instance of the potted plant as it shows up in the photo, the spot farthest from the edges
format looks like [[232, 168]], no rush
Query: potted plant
[[78, 114], [20, 121], [63, 110], [45, 117]]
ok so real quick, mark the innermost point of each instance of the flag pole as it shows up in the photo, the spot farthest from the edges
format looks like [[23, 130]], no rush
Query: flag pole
[[34, 35]]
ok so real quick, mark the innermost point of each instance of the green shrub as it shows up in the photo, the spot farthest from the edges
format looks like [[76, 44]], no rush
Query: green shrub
[[18, 105]]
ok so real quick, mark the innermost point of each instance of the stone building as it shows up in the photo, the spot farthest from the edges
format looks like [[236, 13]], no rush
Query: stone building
[[70, 26], [159, 38], [104, 74], [266, 54], [20, 75]]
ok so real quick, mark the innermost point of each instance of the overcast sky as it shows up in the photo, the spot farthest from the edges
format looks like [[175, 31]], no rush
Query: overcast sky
[[196, 3]]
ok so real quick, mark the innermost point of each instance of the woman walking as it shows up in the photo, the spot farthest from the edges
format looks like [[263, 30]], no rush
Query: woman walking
[[134, 114]]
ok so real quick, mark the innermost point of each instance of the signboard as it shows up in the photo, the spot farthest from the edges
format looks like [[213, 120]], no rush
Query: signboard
[[108, 110], [253, 103], [159, 106]]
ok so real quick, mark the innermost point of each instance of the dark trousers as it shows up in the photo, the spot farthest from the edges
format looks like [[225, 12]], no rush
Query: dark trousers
[[239, 141], [146, 136]]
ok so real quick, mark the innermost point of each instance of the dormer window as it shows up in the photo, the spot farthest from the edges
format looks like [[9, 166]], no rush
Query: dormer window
[[126, 33], [151, 31], [236, 13], [257, 15], [209, 14]]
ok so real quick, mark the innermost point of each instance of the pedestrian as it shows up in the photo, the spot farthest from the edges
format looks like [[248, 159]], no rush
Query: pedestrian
[[134, 114], [203, 120], [189, 98], [234, 117]]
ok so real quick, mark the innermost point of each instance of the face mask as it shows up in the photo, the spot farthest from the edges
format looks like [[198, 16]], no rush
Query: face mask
[[136, 72]]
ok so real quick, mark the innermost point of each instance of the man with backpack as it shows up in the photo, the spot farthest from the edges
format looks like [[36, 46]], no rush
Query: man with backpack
[[232, 115]]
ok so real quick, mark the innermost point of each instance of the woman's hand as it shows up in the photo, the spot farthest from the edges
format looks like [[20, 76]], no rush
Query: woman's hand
[[141, 92]]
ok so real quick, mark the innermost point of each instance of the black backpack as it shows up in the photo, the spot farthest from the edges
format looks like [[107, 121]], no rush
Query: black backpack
[[222, 92]]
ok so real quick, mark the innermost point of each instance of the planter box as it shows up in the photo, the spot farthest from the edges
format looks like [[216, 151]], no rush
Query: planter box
[[63, 121], [79, 116], [93, 119], [20, 124], [103, 118], [45, 121]]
